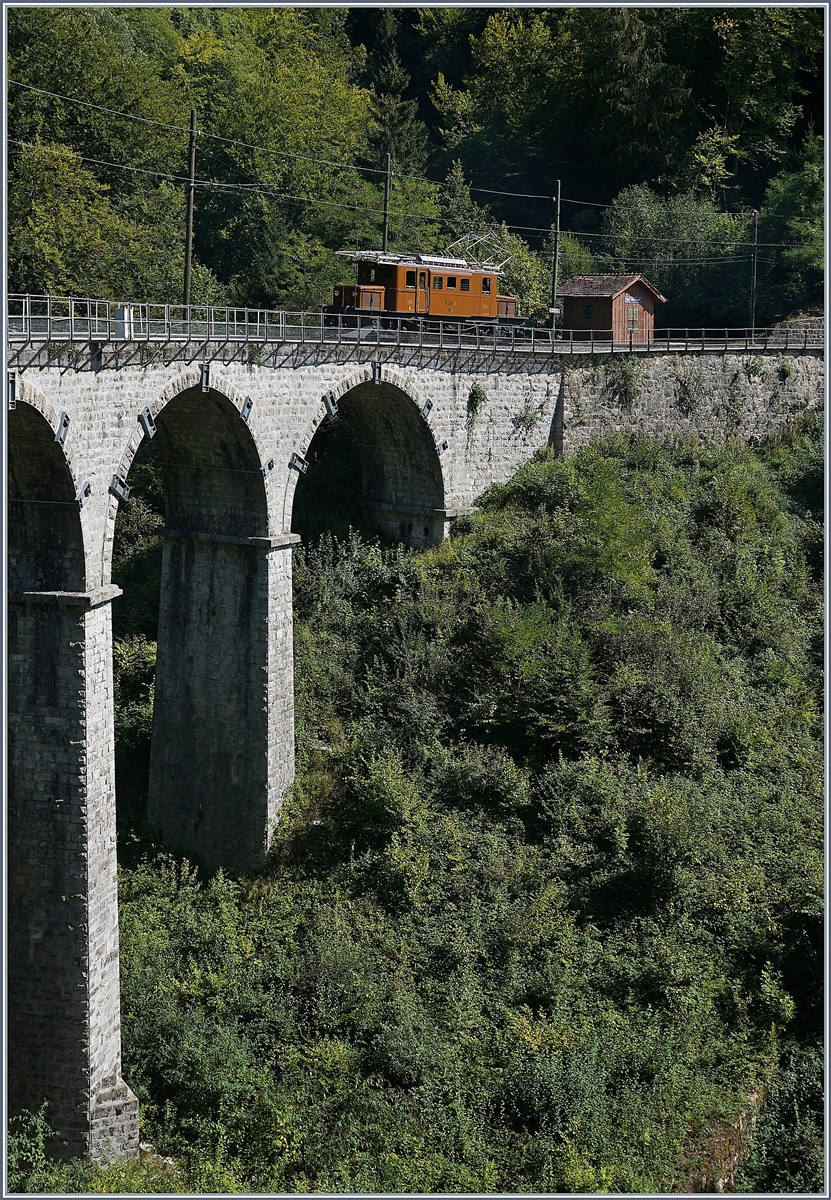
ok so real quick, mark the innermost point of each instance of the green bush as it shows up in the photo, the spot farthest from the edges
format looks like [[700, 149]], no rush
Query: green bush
[[786, 1153]]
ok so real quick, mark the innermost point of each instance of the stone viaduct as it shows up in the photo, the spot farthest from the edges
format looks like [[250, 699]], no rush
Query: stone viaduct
[[233, 426]]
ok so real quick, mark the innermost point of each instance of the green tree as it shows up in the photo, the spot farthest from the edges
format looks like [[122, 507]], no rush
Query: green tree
[[697, 256], [398, 131], [66, 237], [793, 213], [527, 276], [761, 55], [460, 213]]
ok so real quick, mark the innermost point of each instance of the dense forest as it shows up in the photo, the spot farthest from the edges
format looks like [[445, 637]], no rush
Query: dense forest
[[544, 909], [667, 127]]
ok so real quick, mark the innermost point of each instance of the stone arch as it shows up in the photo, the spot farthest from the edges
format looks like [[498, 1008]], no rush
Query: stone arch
[[46, 542], [402, 473], [213, 472], [240, 435]]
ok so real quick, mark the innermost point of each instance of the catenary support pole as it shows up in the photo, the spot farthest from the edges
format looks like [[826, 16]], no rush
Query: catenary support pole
[[387, 200], [753, 272], [189, 223], [556, 258]]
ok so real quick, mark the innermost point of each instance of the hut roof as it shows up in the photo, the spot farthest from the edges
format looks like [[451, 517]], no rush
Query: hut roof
[[604, 285]]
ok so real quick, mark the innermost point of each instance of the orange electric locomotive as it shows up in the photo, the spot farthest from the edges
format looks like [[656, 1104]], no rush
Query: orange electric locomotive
[[423, 285]]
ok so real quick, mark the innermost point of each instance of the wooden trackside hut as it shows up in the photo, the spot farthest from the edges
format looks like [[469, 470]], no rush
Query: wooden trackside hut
[[617, 307]]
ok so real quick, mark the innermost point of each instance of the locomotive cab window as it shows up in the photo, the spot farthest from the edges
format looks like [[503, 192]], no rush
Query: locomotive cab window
[[451, 282], [438, 283], [464, 285], [486, 285], [411, 276]]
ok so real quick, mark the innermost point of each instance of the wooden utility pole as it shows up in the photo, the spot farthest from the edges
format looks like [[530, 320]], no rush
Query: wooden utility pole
[[556, 260], [753, 270], [189, 222], [387, 200]]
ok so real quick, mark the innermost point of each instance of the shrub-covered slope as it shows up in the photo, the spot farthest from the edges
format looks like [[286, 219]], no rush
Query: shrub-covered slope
[[544, 907]]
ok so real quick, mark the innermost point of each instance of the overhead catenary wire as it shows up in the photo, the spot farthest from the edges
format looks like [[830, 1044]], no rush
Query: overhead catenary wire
[[243, 188], [325, 162], [257, 188], [381, 171]]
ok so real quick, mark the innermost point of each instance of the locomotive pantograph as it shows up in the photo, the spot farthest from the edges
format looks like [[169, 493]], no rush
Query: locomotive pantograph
[[425, 286]]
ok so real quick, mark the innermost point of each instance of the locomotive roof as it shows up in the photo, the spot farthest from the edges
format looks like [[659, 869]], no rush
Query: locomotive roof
[[385, 258]]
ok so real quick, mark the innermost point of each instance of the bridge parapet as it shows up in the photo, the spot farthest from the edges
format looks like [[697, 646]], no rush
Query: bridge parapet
[[105, 328]]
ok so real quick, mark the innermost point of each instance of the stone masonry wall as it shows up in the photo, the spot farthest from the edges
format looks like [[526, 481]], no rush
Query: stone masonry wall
[[64, 1018], [527, 403], [222, 714], [713, 396]]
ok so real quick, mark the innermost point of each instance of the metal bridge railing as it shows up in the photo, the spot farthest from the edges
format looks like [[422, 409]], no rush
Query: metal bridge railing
[[33, 320]]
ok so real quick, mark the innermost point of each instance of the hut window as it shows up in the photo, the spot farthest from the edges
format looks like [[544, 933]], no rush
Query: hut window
[[438, 283], [486, 286], [410, 279], [632, 316], [451, 282], [587, 310], [464, 285]]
